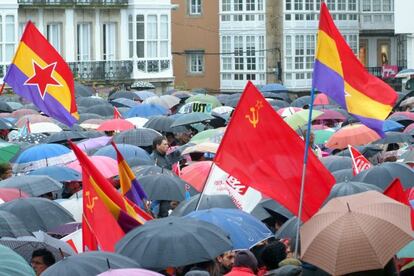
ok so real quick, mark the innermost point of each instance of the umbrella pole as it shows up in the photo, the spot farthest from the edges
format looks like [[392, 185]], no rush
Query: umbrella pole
[[204, 187], [305, 161]]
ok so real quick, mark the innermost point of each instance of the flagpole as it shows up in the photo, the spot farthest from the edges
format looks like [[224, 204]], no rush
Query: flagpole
[[305, 161], [204, 187]]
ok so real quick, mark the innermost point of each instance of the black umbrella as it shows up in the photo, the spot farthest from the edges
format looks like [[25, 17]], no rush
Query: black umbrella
[[141, 137], [82, 90], [4, 107], [5, 124], [350, 188], [273, 206], [124, 94], [343, 175], [174, 242], [160, 123], [191, 118], [12, 226], [395, 137], [260, 213], [288, 231], [89, 263], [368, 151], [278, 103], [207, 202], [335, 163], [165, 187], [301, 102], [34, 185], [87, 116], [150, 170], [38, 213], [280, 96], [383, 174], [64, 136], [90, 101], [122, 102], [102, 109]]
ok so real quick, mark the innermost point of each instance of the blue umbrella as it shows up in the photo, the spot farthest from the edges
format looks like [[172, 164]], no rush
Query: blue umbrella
[[146, 110], [273, 87], [42, 155], [13, 264], [58, 173], [390, 125], [144, 94], [245, 230], [129, 152]]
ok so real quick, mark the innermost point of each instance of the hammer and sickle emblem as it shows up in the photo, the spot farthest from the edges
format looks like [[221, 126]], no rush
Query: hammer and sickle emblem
[[253, 117], [91, 201]]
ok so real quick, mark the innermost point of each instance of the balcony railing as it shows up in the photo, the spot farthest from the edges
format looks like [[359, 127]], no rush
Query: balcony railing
[[376, 71], [102, 70], [73, 2]]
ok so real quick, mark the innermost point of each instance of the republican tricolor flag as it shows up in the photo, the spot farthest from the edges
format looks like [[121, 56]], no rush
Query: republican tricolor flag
[[39, 74]]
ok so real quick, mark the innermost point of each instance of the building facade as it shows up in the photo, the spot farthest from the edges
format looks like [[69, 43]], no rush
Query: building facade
[[102, 40], [195, 44]]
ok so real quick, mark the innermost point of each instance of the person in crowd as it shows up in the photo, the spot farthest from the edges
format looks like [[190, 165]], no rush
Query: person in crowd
[[5, 171], [171, 139], [226, 261], [70, 188], [272, 255], [316, 150], [288, 267], [159, 153], [245, 264], [41, 260]]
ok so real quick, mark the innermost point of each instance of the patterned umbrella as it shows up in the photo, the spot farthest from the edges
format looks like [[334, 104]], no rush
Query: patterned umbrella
[[141, 137], [33, 138]]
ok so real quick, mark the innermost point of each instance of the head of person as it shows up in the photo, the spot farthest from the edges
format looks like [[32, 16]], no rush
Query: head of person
[[160, 144], [311, 137], [245, 258], [273, 254], [5, 171], [41, 260], [226, 261]]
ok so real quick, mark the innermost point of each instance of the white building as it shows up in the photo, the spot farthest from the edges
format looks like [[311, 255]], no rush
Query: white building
[[242, 43], [111, 40]]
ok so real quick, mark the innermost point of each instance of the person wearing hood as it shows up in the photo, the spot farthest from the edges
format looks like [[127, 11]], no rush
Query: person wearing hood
[[245, 264]]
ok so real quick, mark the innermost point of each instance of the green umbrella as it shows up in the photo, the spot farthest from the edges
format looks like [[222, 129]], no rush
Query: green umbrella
[[12, 263], [7, 151], [206, 135], [300, 119], [322, 135], [204, 99]]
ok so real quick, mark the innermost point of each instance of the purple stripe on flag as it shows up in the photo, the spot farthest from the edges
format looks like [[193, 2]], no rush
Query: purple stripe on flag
[[136, 194], [373, 124], [126, 222], [49, 105], [329, 82]]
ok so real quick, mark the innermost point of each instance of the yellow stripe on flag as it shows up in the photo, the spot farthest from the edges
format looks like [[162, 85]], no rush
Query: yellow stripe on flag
[[327, 52]]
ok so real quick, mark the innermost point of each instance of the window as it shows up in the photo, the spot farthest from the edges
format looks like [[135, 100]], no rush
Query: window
[[130, 36], [140, 35], [194, 7], [309, 5], [288, 52], [386, 5], [250, 5], [298, 5], [226, 50], [331, 5], [299, 51], [109, 40], [196, 63], [366, 5], [152, 36], [376, 5], [261, 62], [260, 5], [288, 5], [352, 41], [238, 53], [53, 34], [310, 51], [238, 5], [164, 36], [84, 37], [352, 5], [341, 5], [226, 5], [9, 38], [250, 53]]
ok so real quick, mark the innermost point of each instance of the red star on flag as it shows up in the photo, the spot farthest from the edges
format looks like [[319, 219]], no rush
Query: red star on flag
[[42, 77]]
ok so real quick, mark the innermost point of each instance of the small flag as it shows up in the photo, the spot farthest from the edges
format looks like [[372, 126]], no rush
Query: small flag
[[359, 162], [117, 114]]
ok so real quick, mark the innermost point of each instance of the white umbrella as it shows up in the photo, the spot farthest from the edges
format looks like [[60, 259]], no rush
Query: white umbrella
[[44, 127], [405, 73], [74, 206], [137, 121]]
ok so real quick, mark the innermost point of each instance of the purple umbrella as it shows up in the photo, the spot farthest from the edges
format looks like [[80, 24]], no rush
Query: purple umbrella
[[94, 143], [129, 272]]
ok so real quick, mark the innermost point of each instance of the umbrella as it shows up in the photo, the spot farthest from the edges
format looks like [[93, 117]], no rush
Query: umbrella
[[323, 135], [165, 187], [146, 110], [335, 163], [13, 264], [35, 185], [7, 151], [202, 147], [288, 231], [12, 226], [213, 101], [191, 118], [90, 101], [329, 114], [137, 121], [367, 150], [33, 118], [142, 85], [66, 229], [343, 175], [5, 124], [273, 87], [9, 194], [38, 213], [64, 136], [44, 127], [82, 90], [395, 137], [102, 109], [287, 111], [274, 207], [89, 263], [42, 155], [58, 173], [122, 102], [405, 73], [73, 206], [130, 272], [91, 123], [182, 94], [33, 138], [141, 137], [390, 125], [322, 99], [86, 116], [223, 110], [207, 202], [22, 112], [353, 228], [245, 230], [278, 103], [354, 135], [106, 165], [115, 125], [350, 188], [196, 174], [301, 118], [5, 107], [208, 135], [94, 143], [301, 102], [125, 95], [382, 175], [174, 242], [129, 152], [167, 101], [144, 94], [160, 123]]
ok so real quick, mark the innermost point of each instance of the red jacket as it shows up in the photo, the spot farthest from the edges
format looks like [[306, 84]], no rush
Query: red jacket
[[240, 271]]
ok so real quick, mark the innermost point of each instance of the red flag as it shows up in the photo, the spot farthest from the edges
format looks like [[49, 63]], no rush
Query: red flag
[[396, 191], [262, 151], [117, 114], [359, 162], [97, 220]]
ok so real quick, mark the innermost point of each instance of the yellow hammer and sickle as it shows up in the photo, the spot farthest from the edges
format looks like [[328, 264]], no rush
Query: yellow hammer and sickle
[[254, 112], [91, 201]]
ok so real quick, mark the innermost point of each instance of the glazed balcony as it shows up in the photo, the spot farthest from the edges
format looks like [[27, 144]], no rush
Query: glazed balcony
[[119, 70], [73, 3]]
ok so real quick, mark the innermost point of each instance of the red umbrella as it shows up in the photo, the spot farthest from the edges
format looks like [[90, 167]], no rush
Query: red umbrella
[[9, 194], [196, 174], [321, 99], [116, 124]]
